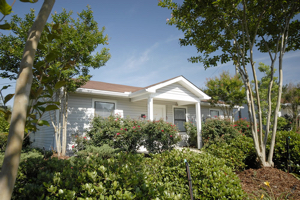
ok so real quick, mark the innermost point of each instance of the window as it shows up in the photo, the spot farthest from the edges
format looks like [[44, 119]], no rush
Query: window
[[214, 113], [180, 118], [104, 109]]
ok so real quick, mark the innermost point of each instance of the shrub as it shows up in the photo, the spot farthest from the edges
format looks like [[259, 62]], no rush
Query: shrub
[[116, 132], [129, 135], [280, 151], [243, 126], [211, 178], [239, 152], [160, 136], [104, 151], [127, 176], [218, 130], [191, 131]]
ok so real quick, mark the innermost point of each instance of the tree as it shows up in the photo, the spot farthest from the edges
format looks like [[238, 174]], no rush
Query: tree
[[226, 92], [291, 99], [263, 92], [11, 160], [64, 52], [224, 31]]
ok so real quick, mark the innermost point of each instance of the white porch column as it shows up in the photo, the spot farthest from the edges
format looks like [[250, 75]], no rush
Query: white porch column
[[150, 108], [198, 121]]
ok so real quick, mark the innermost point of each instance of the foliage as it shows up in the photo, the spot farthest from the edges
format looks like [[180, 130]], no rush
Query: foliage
[[238, 152], [160, 136], [263, 85], [224, 31], [218, 130], [3, 140], [280, 151], [226, 90], [283, 124], [127, 176], [243, 126], [191, 131], [129, 134], [291, 100], [6, 9], [104, 151], [62, 62]]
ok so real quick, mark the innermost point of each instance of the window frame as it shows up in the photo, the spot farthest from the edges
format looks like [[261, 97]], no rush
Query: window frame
[[104, 101], [218, 110]]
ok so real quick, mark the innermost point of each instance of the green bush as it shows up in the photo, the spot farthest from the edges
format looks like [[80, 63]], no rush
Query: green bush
[[218, 130], [239, 153], [211, 178], [191, 131], [280, 151], [127, 176], [129, 134], [160, 136]]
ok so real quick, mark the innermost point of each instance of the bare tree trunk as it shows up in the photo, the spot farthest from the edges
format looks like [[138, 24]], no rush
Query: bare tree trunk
[[16, 131], [64, 111]]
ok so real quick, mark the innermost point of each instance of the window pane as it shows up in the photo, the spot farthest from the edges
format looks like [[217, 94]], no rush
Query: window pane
[[214, 113], [179, 113], [104, 109], [180, 125]]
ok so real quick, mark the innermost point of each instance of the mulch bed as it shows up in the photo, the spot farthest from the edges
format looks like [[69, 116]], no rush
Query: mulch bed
[[282, 183]]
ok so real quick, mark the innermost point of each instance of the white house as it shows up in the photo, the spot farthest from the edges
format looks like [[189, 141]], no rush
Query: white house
[[176, 100]]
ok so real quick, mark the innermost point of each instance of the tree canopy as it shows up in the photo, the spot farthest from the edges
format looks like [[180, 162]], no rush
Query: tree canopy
[[226, 91], [224, 31]]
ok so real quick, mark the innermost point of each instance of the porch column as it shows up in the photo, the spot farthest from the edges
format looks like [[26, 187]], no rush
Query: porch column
[[198, 122], [150, 108]]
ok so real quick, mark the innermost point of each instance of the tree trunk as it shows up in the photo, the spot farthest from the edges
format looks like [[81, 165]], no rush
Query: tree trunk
[[16, 131], [64, 124]]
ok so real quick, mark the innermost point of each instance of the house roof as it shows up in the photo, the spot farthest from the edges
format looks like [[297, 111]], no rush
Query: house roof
[[97, 85], [112, 89]]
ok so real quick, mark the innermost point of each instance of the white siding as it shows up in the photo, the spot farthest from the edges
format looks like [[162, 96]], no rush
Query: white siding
[[44, 137], [175, 91]]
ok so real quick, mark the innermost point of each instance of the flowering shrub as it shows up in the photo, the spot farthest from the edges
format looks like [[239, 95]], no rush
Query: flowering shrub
[[160, 136], [81, 142], [243, 127], [218, 130], [129, 134]]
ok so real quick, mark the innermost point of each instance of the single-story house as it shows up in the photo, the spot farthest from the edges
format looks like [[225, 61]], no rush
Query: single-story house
[[175, 100]]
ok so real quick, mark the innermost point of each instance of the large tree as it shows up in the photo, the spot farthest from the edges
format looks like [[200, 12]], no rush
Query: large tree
[[11, 160], [64, 52], [226, 92], [224, 31]]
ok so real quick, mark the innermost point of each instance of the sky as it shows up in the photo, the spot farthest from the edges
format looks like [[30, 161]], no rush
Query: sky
[[144, 49]]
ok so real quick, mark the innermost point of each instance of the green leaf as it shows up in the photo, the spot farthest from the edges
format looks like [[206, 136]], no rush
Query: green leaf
[[51, 107], [5, 8], [41, 46], [5, 87], [52, 56], [49, 90], [43, 122], [59, 84], [5, 26], [7, 98]]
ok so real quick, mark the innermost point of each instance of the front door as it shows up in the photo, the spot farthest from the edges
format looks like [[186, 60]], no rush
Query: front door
[[159, 112]]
